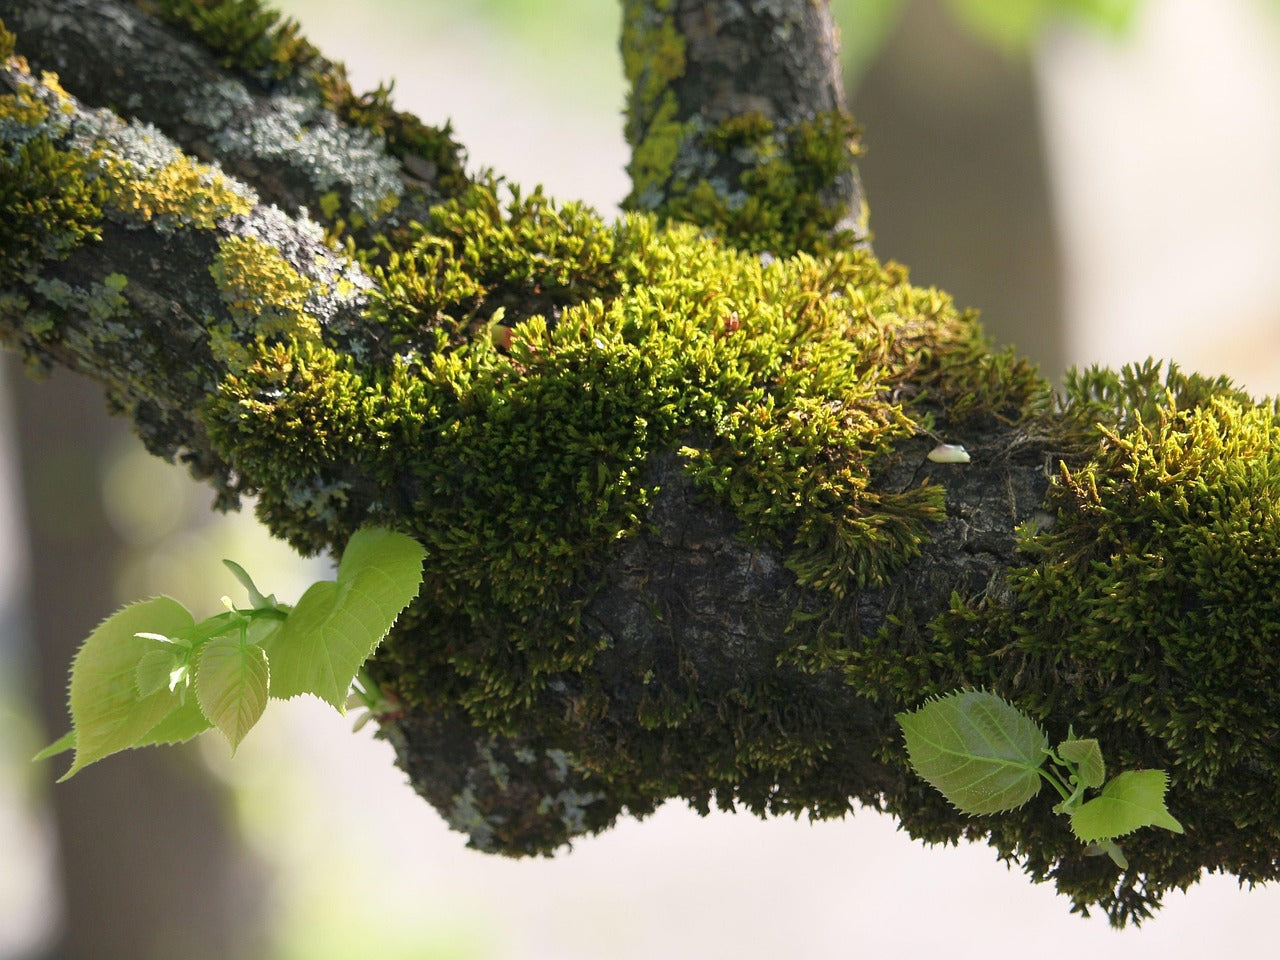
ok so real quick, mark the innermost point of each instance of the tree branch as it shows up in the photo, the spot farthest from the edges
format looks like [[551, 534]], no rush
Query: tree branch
[[684, 537], [736, 120], [289, 125]]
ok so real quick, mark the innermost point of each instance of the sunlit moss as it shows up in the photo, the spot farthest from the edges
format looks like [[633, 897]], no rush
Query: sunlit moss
[[1146, 616], [781, 196], [265, 296], [48, 205], [247, 34], [517, 441], [176, 191]]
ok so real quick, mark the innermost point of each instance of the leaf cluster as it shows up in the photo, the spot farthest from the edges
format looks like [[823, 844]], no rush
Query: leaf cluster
[[150, 674], [986, 756]]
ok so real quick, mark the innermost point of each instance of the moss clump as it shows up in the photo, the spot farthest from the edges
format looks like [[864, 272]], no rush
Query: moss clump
[[781, 198], [1146, 617], [265, 296], [49, 205], [8, 42], [478, 264], [522, 458], [247, 34]]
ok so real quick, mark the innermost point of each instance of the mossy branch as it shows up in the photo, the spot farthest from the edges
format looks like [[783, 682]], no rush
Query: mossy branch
[[737, 122], [129, 261], [685, 538], [232, 84]]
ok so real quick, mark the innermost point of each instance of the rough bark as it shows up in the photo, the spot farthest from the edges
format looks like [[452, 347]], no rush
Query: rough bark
[[735, 624]]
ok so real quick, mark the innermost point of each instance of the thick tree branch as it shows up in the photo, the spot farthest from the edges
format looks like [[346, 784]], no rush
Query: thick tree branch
[[684, 538], [190, 266], [284, 126]]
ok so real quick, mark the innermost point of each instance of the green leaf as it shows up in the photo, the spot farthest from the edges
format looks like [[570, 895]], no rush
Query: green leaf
[[107, 712], [979, 751], [1130, 800], [336, 625], [1112, 850], [178, 727], [64, 743], [231, 685], [1087, 756], [159, 669], [255, 595]]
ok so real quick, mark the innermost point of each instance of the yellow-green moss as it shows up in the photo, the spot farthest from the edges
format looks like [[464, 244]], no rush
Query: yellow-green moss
[[477, 264], [520, 457], [8, 42], [49, 205], [265, 296], [782, 200], [653, 55], [1147, 616], [178, 193], [1145, 613], [760, 185]]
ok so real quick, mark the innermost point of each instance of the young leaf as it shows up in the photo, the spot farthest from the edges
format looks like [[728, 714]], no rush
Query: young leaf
[[1111, 849], [1087, 756], [336, 625], [64, 743], [979, 751], [255, 595], [1130, 800], [231, 685], [158, 669], [107, 712]]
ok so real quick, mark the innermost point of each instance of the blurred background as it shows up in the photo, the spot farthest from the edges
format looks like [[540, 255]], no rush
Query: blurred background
[[1097, 176]]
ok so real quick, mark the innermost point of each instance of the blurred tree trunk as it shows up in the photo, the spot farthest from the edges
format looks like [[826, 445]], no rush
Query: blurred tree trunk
[[956, 173], [150, 864]]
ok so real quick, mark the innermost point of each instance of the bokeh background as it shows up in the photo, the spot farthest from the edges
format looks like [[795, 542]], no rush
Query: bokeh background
[[1102, 185]]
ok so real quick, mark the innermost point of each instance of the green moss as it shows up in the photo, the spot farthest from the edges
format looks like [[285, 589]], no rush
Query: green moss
[[265, 297], [479, 265], [521, 457], [247, 34], [49, 205], [760, 185], [775, 184], [1146, 616], [8, 42], [652, 58]]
